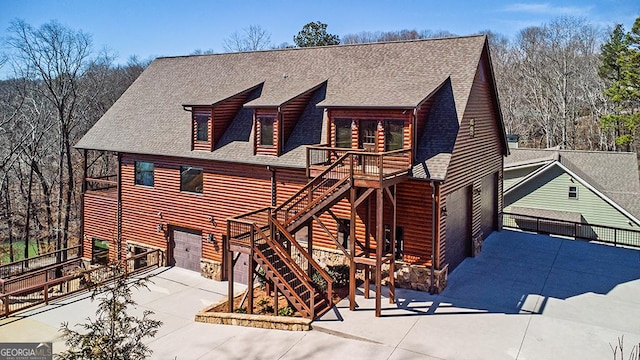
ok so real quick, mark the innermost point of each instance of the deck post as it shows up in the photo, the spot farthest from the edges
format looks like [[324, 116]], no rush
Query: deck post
[[83, 190], [379, 248], [367, 245], [310, 245], [392, 264], [252, 268], [229, 261], [352, 245]]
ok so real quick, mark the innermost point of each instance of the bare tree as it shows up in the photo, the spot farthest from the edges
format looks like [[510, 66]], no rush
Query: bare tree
[[250, 39]]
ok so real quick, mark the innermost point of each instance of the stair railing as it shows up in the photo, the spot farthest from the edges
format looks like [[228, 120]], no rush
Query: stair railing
[[303, 199], [307, 304], [310, 261]]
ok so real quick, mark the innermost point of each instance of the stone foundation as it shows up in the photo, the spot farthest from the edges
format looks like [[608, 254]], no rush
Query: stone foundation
[[131, 245], [418, 277], [211, 269], [257, 321], [408, 276]]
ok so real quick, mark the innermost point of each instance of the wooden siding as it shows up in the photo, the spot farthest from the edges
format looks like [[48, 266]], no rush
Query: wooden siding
[[100, 221], [228, 190], [550, 191], [421, 116], [224, 112], [291, 112], [474, 156]]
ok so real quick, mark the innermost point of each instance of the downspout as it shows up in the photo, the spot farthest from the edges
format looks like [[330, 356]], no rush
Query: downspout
[[434, 205], [119, 214], [274, 188]]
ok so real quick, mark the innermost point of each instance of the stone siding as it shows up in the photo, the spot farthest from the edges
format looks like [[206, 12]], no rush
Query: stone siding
[[211, 269]]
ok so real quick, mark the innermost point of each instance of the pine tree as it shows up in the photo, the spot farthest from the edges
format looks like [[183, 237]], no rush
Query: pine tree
[[114, 334], [621, 69]]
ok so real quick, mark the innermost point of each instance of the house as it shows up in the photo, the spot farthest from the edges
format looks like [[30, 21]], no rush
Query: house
[[587, 187], [298, 159]]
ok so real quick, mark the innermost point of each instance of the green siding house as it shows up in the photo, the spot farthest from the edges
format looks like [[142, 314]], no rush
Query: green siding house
[[590, 187]]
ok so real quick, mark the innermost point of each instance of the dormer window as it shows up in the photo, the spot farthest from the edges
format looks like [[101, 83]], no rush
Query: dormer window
[[266, 130], [202, 126], [393, 135], [343, 133]]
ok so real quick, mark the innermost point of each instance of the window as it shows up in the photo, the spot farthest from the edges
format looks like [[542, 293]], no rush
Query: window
[[393, 135], [343, 133], [144, 173], [202, 126], [399, 241], [344, 228], [573, 192], [100, 251], [266, 130], [191, 179]]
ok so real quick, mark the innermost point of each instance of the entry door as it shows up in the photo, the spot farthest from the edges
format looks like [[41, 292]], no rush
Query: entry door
[[367, 141], [187, 248], [367, 135], [489, 214]]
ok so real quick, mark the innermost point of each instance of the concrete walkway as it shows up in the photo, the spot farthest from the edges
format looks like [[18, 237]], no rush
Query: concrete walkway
[[525, 297]]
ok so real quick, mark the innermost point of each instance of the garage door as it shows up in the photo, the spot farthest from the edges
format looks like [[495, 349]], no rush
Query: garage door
[[489, 214], [458, 237], [187, 248]]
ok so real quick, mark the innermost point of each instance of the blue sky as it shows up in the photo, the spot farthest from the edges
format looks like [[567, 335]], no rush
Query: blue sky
[[150, 28]]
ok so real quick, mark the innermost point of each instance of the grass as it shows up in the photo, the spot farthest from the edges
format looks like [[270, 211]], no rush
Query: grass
[[18, 251]]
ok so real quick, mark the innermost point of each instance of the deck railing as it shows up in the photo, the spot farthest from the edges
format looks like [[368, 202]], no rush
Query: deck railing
[[37, 262], [594, 232], [366, 164], [101, 182], [73, 281]]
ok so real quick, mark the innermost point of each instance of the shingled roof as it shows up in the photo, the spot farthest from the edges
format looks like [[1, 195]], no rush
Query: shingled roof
[[149, 117], [614, 174]]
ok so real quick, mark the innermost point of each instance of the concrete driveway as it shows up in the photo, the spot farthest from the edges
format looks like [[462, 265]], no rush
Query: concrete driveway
[[525, 297]]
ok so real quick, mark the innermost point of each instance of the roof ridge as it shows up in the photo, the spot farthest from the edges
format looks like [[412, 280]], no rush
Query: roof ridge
[[324, 46]]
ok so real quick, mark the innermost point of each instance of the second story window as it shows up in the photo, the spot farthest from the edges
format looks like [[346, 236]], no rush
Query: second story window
[[573, 192], [191, 179], [393, 135], [343, 133], [144, 173], [202, 126], [266, 130]]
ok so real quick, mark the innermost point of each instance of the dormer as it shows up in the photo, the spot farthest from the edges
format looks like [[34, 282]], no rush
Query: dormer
[[374, 130], [210, 121], [275, 115]]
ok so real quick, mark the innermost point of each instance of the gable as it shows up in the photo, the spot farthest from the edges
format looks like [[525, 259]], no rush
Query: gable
[[548, 190]]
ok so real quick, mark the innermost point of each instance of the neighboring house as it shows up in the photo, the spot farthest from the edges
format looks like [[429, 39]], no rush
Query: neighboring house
[[345, 143], [591, 187]]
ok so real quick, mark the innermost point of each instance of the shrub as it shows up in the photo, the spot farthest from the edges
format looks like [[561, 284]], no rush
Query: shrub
[[285, 311]]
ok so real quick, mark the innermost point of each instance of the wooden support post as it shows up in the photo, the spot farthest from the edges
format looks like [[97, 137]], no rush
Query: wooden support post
[[379, 248], [83, 190], [252, 268], [392, 263], [230, 277], [352, 245], [367, 245], [275, 300], [310, 246]]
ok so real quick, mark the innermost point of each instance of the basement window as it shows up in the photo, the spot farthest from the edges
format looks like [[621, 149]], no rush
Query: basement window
[[99, 251], [144, 173], [191, 179], [573, 192]]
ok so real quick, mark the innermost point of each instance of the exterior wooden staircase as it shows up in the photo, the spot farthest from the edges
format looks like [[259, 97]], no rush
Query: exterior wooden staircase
[[267, 233]]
